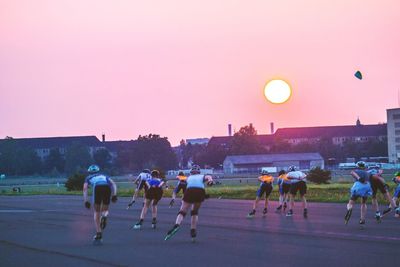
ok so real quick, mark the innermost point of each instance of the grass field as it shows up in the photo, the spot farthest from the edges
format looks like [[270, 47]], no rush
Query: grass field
[[337, 192]]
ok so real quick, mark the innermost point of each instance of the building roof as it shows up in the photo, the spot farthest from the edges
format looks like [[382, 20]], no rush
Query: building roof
[[270, 158], [119, 145], [332, 131], [53, 142], [263, 139]]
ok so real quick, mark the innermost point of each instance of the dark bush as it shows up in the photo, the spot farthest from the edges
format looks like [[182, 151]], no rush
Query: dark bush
[[75, 182], [319, 176]]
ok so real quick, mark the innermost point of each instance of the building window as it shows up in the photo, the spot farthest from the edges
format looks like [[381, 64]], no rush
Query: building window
[[397, 147], [397, 132], [397, 124], [397, 139], [396, 116]]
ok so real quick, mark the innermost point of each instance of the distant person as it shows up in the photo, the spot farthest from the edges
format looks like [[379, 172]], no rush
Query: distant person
[[140, 184], [265, 187], [104, 188], [297, 184], [360, 189], [284, 188], [378, 183], [396, 195], [181, 185], [192, 198], [152, 197]]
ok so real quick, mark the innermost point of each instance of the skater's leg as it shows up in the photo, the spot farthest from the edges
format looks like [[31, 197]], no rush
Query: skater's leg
[[375, 204], [304, 201], [194, 214], [291, 201], [256, 203], [97, 217], [182, 212], [145, 208], [363, 208], [391, 201], [154, 210]]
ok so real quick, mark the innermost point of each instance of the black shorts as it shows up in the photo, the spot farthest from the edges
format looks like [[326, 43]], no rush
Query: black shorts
[[264, 188], [155, 194], [194, 195], [102, 194], [284, 188], [377, 185], [299, 186], [142, 185], [181, 186]]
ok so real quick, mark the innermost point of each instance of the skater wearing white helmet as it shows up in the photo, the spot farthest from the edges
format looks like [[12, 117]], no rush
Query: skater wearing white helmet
[[265, 187], [361, 188], [103, 187], [297, 184], [193, 197]]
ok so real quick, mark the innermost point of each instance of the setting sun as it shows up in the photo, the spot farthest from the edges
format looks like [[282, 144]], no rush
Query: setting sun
[[277, 91]]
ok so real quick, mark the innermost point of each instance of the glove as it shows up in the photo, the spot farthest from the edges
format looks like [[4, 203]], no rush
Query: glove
[[87, 204], [114, 199]]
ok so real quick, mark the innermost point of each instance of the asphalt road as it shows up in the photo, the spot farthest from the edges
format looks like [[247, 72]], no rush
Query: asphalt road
[[58, 230]]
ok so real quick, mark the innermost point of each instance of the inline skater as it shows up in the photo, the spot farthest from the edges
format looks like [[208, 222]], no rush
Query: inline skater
[[181, 185], [103, 188], [396, 194], [153, 195], [192, 198], [265, 187], [297, 184], [140, 184], [361, 188], [378, 183], [284, 188]]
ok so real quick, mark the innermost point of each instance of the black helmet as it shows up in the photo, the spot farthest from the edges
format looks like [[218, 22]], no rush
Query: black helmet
[[361, 165], [292, 168], [195, 169], [181, 173], [146, 171], [281, 172], [155, 173]]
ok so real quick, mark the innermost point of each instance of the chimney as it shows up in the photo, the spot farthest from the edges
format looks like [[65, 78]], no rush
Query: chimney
[[230, 129], [272, 128], [103, 137]]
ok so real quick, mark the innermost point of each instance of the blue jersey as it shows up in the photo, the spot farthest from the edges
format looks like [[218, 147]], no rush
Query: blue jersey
[[154, 182], [98, 179], [195, 181], [364, 175]]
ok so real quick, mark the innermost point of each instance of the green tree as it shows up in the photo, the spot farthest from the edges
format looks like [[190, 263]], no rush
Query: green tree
[[102, 158], [245, 141], [319, 176], [8, 156], [27, 162], [55, 161], [77, 159], [75, 182]]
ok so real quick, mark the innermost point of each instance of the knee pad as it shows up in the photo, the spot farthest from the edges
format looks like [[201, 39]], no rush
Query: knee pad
[[182, 213], [194, 212]]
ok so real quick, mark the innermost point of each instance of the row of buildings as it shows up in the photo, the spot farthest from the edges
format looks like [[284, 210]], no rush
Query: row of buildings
[[389, 132]]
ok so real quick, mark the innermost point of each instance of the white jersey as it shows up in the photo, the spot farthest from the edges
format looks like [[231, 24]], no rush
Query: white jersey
[[195, 181], [296, 176], [143, 177]]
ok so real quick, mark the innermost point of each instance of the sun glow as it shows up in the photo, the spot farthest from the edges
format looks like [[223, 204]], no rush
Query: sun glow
[[277, 91]]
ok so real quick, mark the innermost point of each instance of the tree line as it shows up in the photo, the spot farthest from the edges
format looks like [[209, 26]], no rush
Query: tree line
[[150, 151]]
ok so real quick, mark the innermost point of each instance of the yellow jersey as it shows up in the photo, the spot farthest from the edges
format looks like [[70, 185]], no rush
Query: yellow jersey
[[181, 178], [266, 178], [284, 177]]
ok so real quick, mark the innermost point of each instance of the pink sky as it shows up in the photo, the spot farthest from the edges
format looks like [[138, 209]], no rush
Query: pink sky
[[186, 70]]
